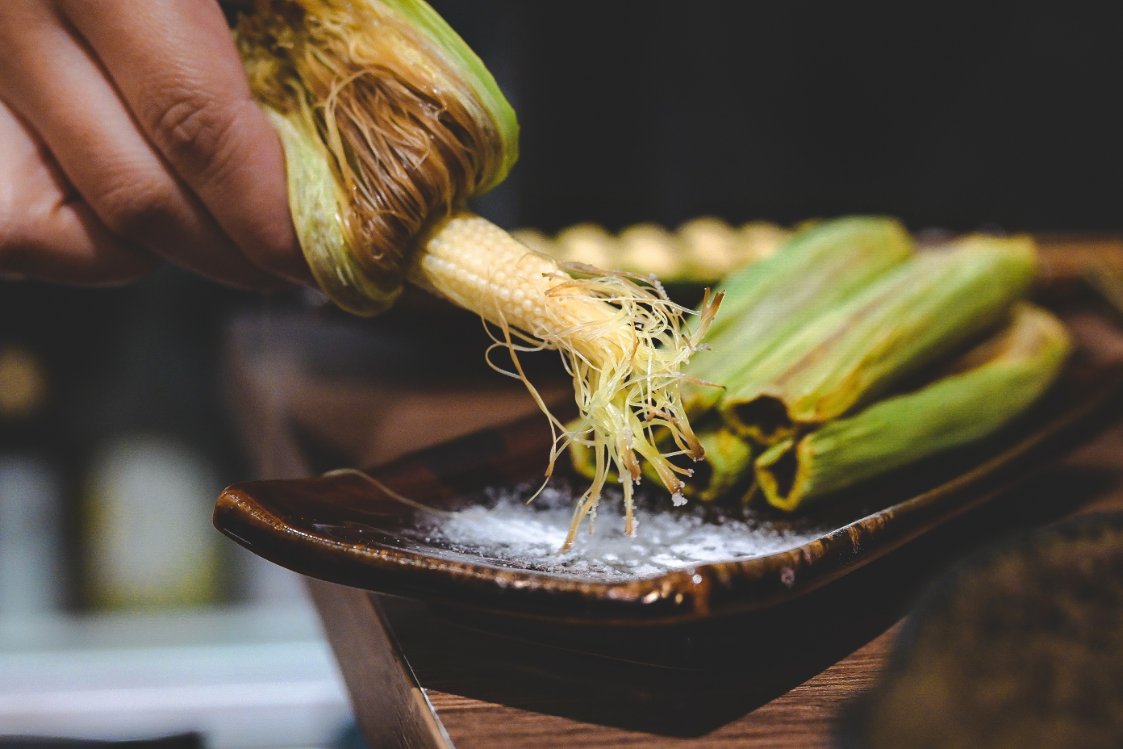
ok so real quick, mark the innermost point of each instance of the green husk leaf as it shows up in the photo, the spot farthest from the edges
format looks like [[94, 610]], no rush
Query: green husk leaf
[[767, 302], [843, 252], [729, 462], [313, 200], [993, 383], [919, 311]]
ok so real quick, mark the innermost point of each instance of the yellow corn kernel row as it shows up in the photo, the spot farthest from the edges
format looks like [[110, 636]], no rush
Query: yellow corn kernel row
[[623, 342], [480, 267], [701, 250]]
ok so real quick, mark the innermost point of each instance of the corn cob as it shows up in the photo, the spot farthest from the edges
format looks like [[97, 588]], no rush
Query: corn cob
[[994, 382], [766, 303], [586, 243], [701, 251], [908, 318], [389, 124], [713, 249], [650, 248]]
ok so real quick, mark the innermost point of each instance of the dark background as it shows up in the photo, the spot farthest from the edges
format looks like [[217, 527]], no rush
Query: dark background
[[997, 115], [950, 115]]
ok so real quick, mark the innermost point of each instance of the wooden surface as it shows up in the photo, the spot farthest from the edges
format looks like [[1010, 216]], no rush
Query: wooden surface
[[772, 679], [424, 677], [396, 711]]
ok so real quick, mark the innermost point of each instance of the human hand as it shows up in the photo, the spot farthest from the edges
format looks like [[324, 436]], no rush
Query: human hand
[[128, 136]]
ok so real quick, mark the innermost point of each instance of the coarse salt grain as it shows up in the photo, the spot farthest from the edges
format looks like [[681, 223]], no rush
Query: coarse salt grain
[[505, 530]]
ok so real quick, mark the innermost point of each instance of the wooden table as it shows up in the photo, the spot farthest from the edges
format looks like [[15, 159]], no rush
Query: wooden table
[[427, 677]]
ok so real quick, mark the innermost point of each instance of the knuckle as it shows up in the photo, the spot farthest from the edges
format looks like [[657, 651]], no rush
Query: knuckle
[[35, 244], [193, 130], [137, 209]]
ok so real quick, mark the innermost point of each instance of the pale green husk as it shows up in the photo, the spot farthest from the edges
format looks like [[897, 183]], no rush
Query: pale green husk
[[768, 302], [314, 198], [1015, 369], [853, 353]]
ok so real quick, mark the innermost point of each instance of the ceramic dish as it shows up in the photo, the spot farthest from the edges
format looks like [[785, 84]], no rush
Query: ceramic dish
[[477, 547]]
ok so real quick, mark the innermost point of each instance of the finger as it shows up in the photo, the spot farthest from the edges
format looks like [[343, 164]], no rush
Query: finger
[[52, 82], [44, 235], [175, 64]]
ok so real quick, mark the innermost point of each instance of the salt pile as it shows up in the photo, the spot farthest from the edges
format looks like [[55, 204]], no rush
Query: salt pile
[[505, 530]]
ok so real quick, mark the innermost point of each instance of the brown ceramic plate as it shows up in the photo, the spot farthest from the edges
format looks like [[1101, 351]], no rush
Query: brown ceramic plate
[[698, 562]]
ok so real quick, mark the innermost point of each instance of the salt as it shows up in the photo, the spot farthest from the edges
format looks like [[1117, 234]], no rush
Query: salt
[[505, 530]]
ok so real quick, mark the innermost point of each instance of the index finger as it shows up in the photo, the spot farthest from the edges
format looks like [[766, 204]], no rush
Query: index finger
[[175, 64]]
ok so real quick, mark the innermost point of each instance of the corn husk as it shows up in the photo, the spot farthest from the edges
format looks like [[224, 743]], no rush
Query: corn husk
[[389, 123], [767, 303], [847, 356], [992, 384], [323, 238], [727, 467]]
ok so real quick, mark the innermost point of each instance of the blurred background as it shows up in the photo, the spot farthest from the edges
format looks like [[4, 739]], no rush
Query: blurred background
[[118, 425]]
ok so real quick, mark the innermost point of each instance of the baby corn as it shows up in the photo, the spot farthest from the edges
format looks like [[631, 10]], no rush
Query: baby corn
[[853, 352], [389, 124], [995, 382]]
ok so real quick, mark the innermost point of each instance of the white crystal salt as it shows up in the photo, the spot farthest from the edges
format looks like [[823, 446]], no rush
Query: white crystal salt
[[507, 531]]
